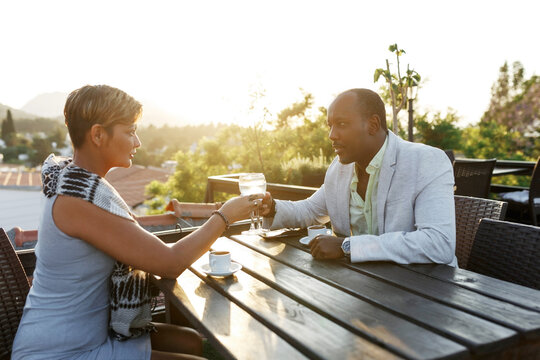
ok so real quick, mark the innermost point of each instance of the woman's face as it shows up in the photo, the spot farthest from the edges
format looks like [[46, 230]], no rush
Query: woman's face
[[122, 145]]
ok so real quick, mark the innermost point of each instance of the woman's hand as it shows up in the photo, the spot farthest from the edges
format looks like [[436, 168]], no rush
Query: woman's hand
[[240, 207]]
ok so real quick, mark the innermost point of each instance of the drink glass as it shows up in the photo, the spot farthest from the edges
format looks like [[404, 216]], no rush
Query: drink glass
[[249, 184]]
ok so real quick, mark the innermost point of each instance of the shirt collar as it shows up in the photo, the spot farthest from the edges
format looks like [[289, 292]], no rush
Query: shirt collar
[[374, 164], [377, 160]]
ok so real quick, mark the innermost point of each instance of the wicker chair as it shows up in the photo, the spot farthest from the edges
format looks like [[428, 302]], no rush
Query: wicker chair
[[473, 177], [507, 251], [469, 212], [450, 154], [13, 290], [526, 201]]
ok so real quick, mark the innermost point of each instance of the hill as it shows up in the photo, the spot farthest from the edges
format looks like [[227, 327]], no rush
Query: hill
[[51, 105], [17, 114]]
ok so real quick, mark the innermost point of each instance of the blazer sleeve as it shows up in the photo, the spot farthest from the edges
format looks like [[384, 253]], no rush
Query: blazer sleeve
[[420, 225], [301, 213]]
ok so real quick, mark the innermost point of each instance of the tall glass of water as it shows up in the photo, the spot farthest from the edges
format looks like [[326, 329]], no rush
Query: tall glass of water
[[249, 184]]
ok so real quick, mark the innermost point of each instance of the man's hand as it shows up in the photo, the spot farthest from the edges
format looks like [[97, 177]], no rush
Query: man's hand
[[326, 247], [266, 204]]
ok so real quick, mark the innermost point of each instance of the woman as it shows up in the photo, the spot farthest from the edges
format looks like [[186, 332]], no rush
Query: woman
[[86, 227]]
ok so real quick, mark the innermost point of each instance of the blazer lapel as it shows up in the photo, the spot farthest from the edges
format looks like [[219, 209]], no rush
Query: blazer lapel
[[385, 178], [337, 192], [343, 197]]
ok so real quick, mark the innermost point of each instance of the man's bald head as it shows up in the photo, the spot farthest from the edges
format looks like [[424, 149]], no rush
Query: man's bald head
[[369, 103]]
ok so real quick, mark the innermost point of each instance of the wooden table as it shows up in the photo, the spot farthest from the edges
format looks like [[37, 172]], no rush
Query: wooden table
[[283, 304]]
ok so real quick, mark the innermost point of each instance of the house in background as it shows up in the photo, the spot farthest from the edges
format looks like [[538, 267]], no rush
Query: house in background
[[131, 183]]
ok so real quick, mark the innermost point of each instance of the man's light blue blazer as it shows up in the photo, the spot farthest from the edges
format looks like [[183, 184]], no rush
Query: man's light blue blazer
[[415, 207]]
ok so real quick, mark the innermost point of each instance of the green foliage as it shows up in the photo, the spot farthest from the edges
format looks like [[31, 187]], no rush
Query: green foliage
[[42, 147], [305, 171], [396, 85], [491, 140], [440, 132], [158, 191], [161, 143], [58, 136], [515, 110], [311, 137], [11, 153], [514, 101], [296, 111]]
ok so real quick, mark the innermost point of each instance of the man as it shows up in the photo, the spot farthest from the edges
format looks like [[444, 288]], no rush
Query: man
[[387, 199]]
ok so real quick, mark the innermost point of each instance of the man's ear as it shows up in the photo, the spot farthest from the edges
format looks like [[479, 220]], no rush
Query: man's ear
[[97, 134], [374, 124]]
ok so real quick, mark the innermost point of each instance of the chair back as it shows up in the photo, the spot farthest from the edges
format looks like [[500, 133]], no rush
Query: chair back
[[469, 211], [473, 177], [13, 290], [507, 251], [450, 154], [534, 193]]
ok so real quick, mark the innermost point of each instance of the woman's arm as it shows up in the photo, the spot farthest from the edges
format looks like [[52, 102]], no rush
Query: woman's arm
[[126, 241], [192, 210], [182, 210]]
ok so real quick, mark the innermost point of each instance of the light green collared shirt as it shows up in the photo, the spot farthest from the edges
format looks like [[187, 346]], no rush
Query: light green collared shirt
[[363, 212]]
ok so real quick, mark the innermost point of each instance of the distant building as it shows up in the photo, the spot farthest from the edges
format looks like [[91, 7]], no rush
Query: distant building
[[131, 182]]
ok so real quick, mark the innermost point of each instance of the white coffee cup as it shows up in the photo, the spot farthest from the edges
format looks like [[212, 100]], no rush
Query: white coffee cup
[[220, 261], [315, 230]]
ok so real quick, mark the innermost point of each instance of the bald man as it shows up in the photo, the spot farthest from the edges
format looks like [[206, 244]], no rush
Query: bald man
[[387, 199]]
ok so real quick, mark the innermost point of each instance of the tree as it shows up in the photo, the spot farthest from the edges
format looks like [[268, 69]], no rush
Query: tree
[[397, 85], [515, 107], [491, 140], [58, 136], [41, 149], [440, 132], [297, 110], [8, 130]]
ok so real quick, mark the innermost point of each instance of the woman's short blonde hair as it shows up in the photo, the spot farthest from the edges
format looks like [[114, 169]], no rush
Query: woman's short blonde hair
[[98, 104]]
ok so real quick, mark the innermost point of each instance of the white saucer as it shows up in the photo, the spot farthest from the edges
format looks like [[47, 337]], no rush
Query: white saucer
[[234, 268], [305, 240]]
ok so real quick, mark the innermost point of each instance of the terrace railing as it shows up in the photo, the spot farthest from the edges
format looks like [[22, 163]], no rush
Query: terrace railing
[[229, 184], [510, 167]]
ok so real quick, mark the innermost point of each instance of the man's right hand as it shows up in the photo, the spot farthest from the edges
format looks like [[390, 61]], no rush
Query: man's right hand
[[266, 204]]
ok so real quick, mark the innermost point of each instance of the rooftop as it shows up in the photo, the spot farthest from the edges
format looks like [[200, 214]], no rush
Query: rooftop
[[131, 182], [15, 177]]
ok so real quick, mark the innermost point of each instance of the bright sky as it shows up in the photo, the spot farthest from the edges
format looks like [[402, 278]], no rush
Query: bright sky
[[201, 60]]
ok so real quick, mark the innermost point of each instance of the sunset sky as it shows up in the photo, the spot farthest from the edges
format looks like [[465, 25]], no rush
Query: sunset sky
[[201, 60]]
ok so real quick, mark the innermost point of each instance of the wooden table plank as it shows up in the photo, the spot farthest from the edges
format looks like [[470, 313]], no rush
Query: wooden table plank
[[526, 322], [511, 293], [230, 329], [308, 331], [401, 336], [479, 335]]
